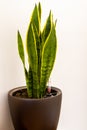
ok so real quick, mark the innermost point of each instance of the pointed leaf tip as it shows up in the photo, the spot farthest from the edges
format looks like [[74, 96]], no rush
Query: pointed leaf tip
[[20, 47]]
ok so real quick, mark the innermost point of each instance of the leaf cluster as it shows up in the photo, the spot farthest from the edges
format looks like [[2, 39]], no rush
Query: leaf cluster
[[41, 50]]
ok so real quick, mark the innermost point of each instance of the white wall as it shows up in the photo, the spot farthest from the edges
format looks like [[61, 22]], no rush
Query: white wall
[[70, 70]]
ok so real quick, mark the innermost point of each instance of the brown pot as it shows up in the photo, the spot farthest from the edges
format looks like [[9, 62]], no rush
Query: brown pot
[[35, 114]]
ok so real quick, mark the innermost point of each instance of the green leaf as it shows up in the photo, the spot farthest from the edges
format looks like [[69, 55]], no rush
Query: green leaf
[[36, 36], [31, 48], [28, 77], [35, 18], [38, 45], [29, 81], [20, 47], [46, 29], [39, 11], [48, 57], [33, 58]]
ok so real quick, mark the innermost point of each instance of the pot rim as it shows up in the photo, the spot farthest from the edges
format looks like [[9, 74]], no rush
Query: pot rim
[[10, 93]]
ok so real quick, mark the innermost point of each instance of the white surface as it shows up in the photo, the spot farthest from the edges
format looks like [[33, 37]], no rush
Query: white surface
[[70, 70]]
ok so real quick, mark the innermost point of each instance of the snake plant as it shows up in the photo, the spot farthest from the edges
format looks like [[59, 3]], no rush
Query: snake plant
[[41, 50]]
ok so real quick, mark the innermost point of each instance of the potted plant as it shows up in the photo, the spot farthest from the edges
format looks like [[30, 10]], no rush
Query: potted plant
[[36, 106]]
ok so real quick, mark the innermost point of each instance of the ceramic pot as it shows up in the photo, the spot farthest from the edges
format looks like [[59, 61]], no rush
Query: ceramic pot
[[35, 114]]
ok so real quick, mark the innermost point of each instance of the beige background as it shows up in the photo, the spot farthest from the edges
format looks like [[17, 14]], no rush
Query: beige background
[[70, 70]]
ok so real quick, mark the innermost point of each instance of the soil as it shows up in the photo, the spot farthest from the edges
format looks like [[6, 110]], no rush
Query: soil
[[23, 93]]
